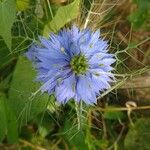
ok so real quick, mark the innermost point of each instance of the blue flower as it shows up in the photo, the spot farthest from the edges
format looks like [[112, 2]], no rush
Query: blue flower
[[74, 64]]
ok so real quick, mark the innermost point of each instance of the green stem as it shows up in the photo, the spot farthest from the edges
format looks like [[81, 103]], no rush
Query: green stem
[[78, 107]]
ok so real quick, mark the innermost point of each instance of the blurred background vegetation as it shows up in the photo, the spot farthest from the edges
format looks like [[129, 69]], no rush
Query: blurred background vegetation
[[33, 121]]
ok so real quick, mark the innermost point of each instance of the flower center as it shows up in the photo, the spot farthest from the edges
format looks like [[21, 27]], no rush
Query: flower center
[[79, 64]]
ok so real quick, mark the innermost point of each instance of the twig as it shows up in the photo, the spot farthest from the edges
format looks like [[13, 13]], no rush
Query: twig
[[31, 145], [118, 138], [121, 108], [88, 16]]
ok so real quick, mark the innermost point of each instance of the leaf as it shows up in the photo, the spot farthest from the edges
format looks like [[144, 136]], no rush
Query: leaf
[[5, 57], [22, 5], [12, 133], [74, 137], [142, 4], [21, 89], [18, 43], [137, 18], [63, 16], [45, 123], [7, 16], [8, 125], [3, 124], [138, 136], [141, 15]]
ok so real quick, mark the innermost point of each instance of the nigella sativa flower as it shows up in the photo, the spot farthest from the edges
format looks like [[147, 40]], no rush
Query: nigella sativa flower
[[74, 64]]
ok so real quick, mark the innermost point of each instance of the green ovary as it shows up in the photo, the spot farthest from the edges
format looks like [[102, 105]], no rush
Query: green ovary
[[79, 64]]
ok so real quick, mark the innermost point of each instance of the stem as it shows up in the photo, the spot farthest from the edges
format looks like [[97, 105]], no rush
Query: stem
[[88, 16], [50, 9], [122, 108], [78, 107]]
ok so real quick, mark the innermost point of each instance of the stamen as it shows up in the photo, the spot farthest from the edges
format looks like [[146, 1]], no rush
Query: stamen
[[79, 64]]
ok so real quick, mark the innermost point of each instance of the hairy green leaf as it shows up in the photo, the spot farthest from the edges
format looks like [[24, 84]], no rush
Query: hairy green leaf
[[7, 16], [64, 15], [8, 125], [73, 136], [5, 56], [3, 124], [25, 104]]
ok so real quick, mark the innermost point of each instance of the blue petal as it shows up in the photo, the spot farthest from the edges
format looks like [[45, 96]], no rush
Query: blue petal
[[65, 91], [97, 57], [85, 91]]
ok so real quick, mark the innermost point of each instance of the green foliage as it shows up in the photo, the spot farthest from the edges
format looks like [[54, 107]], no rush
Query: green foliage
[[7, 16], [138, 136], [141, 15], [45, 124], [22, 5], [8, 125], [5, 56], [74, 137], [25, 105], [62, 17], [113, 115], [3, 118]]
